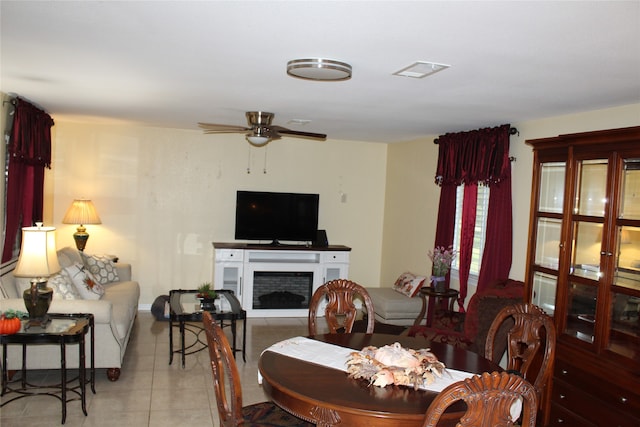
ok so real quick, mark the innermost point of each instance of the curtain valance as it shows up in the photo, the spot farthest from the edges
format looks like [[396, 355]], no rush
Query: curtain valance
[[474, 157], [30, 140]]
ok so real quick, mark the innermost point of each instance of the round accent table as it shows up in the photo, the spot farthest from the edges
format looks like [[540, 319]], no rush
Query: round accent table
[[431, 299]]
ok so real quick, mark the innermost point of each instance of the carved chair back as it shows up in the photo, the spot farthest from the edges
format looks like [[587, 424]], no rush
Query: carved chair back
[[340, 311], [492, 401], [531, 344], [226, 379]]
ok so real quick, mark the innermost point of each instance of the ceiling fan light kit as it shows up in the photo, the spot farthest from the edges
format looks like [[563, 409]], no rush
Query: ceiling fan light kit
[[257, 140], [319, 69]]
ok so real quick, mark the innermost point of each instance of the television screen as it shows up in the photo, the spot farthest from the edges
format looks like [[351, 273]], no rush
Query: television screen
[[276, 216]]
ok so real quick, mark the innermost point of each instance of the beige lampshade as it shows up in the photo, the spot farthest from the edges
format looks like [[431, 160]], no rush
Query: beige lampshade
[[38, 256], [81, 211]]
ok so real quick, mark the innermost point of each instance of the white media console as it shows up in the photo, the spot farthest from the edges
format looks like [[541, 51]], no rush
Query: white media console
[[277, 281]]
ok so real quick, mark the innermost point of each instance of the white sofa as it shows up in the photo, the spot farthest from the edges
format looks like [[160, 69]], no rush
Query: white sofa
[[394, 308], [114, 316]]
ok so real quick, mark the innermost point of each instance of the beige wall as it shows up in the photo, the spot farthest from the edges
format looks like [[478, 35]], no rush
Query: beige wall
[[412, 197], [411, 209], [164, 194]]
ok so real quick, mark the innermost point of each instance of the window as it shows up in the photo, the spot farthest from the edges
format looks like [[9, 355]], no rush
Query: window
[[479, 235]]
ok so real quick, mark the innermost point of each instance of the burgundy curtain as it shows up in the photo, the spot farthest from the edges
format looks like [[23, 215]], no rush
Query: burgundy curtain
[[497, 254], [29, 153], [479, 157]]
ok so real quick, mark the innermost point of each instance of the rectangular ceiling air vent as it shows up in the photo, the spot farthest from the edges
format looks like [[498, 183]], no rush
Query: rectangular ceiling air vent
[[420, 69]]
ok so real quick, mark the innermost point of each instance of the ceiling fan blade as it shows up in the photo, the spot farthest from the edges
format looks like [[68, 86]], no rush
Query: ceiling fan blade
[[218, 128], [297, 133], [213, 132]]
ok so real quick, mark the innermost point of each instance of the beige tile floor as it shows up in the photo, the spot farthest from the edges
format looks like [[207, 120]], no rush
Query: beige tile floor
[[150, 392]]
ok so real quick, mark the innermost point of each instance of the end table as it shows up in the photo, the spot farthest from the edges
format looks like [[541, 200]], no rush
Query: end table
[[63, 329], [435, 297], [182, 304]]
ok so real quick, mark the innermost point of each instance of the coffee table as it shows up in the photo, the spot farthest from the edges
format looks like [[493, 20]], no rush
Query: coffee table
[[185, 312], [63, 329]]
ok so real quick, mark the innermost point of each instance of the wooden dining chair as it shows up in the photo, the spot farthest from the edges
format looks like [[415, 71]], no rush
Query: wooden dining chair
[[492, 400], [340, 311], [531, 345], [226, 381]]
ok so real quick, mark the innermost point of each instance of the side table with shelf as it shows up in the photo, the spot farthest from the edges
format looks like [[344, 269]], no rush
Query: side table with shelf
[[63, 329], [431, 298], [184, 308]]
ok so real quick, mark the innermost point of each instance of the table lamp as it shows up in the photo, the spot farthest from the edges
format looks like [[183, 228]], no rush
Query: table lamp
[[81, 211], [38, 260]]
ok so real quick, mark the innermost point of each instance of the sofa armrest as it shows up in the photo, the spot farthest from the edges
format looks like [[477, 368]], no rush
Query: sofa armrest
[[124, 271], [101, 309]]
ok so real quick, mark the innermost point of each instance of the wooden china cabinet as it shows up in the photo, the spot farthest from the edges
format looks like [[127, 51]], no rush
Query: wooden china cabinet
[[583, 268]]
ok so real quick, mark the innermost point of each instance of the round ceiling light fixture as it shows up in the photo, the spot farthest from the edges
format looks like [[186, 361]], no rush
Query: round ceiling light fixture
[[319, 69]]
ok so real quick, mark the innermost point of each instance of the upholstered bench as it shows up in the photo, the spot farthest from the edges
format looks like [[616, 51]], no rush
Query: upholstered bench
[[394, 308]]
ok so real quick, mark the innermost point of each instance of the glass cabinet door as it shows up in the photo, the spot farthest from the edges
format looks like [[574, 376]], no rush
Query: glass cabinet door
[[588, 216], [624, 332], [548, 235]]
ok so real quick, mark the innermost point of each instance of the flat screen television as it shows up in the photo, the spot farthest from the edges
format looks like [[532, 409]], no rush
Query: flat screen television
[[276, 216]]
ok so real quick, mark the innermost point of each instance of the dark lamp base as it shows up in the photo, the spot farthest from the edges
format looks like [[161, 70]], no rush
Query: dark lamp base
[[38, 323], [37, 300]]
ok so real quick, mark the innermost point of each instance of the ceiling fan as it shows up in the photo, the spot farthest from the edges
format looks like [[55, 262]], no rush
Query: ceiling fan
[[260, 131]]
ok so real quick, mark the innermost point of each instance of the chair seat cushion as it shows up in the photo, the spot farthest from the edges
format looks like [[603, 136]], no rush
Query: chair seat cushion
[[267, 414]]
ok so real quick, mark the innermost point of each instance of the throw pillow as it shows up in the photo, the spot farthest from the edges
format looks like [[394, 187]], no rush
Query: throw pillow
[[68, 256], [63, 287], [85, 283], [102, 268], [409, 284]]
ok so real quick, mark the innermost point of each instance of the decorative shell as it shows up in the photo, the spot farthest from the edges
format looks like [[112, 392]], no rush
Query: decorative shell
[[395, 355], [394, 364]]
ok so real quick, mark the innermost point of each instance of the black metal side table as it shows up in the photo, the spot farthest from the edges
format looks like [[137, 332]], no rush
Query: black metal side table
[[184, 308], [64, 329]]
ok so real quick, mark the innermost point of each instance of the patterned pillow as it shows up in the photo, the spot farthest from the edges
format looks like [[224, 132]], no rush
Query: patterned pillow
[[409, 284], [102, 268], [63, 287], [85, 283]]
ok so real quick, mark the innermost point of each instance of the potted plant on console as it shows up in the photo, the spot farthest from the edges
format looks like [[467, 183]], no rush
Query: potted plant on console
[[207, 297]]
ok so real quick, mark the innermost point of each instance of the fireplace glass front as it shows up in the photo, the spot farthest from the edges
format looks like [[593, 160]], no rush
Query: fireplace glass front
[[282, 289]]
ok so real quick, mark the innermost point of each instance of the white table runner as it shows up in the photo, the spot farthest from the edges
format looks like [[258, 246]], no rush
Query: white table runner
[[334, 356]]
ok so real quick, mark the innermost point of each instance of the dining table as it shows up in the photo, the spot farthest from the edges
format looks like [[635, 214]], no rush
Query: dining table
[[318, 389]]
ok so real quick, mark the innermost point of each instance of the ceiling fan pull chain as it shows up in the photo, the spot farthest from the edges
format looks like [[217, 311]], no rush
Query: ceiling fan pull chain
[[264, 171], [249, 161]]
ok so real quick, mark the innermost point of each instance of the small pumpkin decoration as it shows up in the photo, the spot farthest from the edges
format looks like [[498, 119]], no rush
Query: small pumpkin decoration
[[10, 322]]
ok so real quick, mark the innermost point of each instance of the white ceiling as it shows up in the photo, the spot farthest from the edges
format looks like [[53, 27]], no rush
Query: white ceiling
[[176, 63]]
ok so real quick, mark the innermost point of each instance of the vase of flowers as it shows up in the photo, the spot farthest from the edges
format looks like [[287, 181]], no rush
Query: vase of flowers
[[441, 258]]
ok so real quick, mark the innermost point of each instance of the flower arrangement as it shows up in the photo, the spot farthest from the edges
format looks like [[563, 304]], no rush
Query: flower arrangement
[[205, 291], [442, 259]]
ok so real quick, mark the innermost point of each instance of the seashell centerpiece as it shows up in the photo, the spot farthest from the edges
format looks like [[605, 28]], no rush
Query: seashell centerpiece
[[394, 364]]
